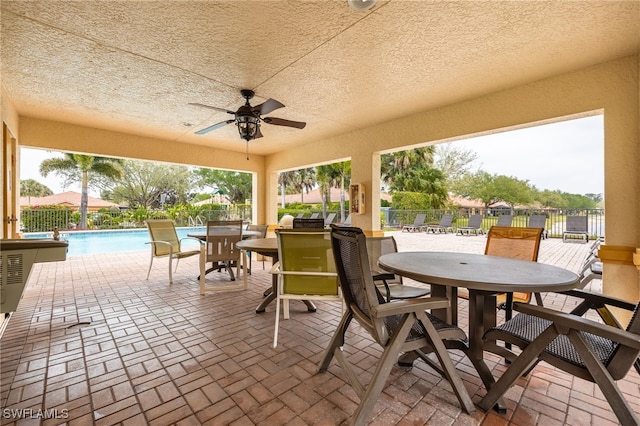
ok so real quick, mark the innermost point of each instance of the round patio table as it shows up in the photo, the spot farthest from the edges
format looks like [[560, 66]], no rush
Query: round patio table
[[485, 277]]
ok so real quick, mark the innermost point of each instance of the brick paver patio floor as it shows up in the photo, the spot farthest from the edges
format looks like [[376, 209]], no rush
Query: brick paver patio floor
[[93, 342]]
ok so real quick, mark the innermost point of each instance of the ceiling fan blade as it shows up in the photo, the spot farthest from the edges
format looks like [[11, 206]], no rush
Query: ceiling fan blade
[[283, 122], [258, 133], [212, 107], [267, 106], [215, 126]]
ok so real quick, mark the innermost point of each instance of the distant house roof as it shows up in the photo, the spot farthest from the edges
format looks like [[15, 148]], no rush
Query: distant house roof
[[313, 197], [69, 199]]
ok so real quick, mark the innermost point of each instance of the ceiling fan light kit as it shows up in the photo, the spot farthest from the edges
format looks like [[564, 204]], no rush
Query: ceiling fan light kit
[[361, 5], [248, 118]]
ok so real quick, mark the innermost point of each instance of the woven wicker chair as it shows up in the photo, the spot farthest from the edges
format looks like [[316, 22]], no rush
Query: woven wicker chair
[[599, 353], [398, 327]]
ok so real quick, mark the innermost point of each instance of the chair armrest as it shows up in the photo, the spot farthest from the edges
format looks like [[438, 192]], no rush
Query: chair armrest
[[200, 242], [574, 322], [406, 306], [599, 300], [162, 242], [275, 268]]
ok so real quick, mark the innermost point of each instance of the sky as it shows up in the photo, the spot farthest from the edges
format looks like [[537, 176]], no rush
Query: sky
[[566, 156]]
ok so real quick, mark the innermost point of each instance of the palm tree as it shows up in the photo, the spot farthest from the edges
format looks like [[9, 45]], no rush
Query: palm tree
[[307, 181], [395, 165], [32, 188], [286, 179], [77, 167]]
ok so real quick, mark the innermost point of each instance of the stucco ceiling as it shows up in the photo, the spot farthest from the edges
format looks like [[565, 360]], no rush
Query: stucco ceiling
[[135, 66]]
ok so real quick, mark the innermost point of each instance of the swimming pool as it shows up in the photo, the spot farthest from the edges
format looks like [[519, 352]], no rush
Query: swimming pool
[[97, 242]]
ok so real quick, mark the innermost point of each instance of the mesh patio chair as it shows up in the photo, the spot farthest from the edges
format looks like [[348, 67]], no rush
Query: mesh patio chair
[[398, 327], [329, 219], [392, 286], [576, 226], [309, 223], [516, 243], [596, 352], [444, 225], [165, 243], [418, 224], [504, 220], [474, 225], [305, 270], [539, 221]]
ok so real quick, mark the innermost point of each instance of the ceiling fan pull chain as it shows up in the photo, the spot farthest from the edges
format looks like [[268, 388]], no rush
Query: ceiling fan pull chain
[[247, 150]]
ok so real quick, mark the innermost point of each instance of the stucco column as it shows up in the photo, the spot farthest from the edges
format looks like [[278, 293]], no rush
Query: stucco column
[[365, 169]]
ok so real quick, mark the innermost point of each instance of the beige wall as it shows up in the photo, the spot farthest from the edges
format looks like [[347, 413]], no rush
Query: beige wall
[[612, 88]]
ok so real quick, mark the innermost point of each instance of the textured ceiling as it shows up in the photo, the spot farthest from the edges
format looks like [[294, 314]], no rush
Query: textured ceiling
[[135, 66]]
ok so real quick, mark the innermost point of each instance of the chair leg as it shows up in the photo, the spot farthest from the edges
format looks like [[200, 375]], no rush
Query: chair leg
[[150, 265], [170, 273], [447, 365], [379, 378], [275, 330], [337, 341], [521, 364], [605, 382]]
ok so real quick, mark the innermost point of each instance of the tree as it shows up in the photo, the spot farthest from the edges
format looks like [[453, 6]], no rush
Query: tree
[[512, 190], [79, 168], [335, 175], [152, 185], [236, 185], [453, 162], [396, 164], [307, 180], [286, 179], [32, 188]]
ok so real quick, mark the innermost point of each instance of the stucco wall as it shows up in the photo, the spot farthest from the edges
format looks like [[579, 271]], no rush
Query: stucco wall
[[612, 88]]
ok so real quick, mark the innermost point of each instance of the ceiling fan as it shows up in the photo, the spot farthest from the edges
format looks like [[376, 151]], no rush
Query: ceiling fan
[[248, 117]]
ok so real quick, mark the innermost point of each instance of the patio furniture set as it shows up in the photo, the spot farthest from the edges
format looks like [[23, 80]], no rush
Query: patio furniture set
[[365, 275]]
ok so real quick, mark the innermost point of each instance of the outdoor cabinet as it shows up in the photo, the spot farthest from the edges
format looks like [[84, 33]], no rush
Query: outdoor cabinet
[[356, 197]]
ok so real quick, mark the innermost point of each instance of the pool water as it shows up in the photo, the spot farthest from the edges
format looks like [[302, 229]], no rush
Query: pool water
[[97, 242]]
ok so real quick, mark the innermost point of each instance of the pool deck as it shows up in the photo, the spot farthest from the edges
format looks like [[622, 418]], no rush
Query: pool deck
[[97, 342]]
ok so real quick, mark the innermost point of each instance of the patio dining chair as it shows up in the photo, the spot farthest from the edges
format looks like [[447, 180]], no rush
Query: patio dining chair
[[400, 326], [305, 270], [392, 286], [221, 252], [516, 243], [308, 223], [165, 243], [593, 351], [263, 233], [418, 224], [444, 225], [474, 225]]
